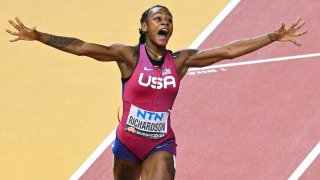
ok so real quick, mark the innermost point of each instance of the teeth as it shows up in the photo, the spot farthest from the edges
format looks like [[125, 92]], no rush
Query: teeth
[[163, 32], [166, 30]]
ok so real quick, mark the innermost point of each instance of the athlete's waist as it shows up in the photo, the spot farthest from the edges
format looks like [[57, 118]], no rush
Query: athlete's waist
[[148, 106]]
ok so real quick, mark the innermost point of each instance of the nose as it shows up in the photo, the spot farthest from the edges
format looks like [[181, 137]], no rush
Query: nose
[[165, 22]]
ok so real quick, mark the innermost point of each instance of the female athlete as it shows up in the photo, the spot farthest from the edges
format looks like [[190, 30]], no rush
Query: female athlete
[[145, 145]]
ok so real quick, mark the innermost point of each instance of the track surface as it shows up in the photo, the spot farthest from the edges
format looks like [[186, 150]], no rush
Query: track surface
[[255, 121]]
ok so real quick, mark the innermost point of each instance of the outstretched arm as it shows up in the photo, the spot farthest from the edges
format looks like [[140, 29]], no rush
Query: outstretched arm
[[68, 44], [195, 58]]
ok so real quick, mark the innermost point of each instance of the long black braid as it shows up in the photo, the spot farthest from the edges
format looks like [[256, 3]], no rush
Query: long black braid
[[144, 16]]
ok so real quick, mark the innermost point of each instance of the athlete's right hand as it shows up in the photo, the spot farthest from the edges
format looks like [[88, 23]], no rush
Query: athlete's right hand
[[23, 33]]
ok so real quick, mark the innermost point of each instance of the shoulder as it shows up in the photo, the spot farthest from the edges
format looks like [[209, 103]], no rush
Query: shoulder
[[125, 51], [184, 54], [123, 47], [182, 60]]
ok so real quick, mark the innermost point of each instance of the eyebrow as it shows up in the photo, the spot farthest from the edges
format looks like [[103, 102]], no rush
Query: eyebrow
[[162, 13]]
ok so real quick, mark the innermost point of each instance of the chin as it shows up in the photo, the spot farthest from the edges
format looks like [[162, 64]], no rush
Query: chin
[[162, 42]]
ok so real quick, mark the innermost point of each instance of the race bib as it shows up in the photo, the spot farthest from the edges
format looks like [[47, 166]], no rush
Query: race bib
[[148, 124]]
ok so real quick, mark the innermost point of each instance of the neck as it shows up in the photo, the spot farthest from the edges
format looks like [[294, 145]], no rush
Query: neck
[[154, 49], [155, 53]]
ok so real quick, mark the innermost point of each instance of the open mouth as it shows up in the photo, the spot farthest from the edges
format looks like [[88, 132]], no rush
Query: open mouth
[[163, 33]]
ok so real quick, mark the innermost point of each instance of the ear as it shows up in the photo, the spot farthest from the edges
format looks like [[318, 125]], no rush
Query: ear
[[144, 27]]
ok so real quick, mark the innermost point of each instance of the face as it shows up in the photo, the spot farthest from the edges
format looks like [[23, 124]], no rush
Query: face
[[159, 26]]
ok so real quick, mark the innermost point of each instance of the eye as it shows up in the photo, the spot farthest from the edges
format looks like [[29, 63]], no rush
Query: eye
[[170, 20], [157, 19]]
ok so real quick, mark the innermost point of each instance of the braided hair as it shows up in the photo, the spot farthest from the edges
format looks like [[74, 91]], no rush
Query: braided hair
[[144, 16]]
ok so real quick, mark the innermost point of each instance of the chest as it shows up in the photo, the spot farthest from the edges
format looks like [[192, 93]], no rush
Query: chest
[[151, 84]]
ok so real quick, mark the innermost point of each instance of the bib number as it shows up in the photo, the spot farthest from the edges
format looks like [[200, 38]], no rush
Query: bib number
[[148, 124]]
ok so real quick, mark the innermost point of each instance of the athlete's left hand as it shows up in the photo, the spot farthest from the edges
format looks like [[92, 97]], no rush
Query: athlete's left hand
[[289, 34]]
